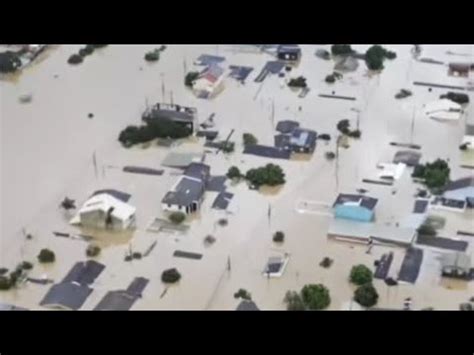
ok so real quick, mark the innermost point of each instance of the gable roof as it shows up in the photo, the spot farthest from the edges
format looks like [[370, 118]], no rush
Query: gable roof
[[66, 295], [185, 192], [123, 300], [212, 73], [360, 200], [286, 126], [105, 202], [303, 137], [198, 171], [84, 273]]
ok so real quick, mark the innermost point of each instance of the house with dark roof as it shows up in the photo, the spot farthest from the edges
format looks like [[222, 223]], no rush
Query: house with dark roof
[[187, 193], [246, 305], [123, 300], [355, 207], [302, 141], [461, 190], [74, 289], [182, 115], [289, 53]]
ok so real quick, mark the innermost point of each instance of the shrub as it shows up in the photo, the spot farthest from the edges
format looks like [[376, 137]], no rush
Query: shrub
[[366, 295], [294, 302], [326, 262], [315, 297], [426, 229], [324, 137], [330, 79], [89, 49], [234, 173], [137, 255], [341, 49], [92, 250], [83, 52], [46, 256], [466, 307], [343, 126], [5, 283], [128, 257], [190, 78], [360, 275], [177, 217], [330, 155], [98, 45], [244, 294], [152, 56], [3, 271], [249, 139], [75, 59], [170, 276], [299, 82], [355, 134], [26, 265], [227, 147], [223, 222], [279, 237]]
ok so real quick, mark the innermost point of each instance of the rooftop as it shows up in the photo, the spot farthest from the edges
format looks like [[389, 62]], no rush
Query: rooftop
[[459, 260], [247, 306], [358, 200], [303, 137], [186, 191], [460, 184], [105, 202], [66, 295]]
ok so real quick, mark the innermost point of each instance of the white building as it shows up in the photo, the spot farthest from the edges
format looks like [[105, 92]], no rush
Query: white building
[[209, 82], [105, 211], [443, 109]]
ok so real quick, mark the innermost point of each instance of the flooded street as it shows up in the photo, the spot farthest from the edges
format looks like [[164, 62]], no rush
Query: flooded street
[[47, 149]]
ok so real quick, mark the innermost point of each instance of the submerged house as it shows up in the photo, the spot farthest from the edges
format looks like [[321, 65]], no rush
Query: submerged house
[[289, 52], [105, 211], [210, 82], [456, 265], [302, 141], [355, 207], [74, 289], [182, 115], [247, 305], [461, 190], [187, 193]]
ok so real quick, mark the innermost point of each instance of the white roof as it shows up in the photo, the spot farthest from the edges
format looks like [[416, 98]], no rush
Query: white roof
[[443, 109], [104, 202], [390, 170]]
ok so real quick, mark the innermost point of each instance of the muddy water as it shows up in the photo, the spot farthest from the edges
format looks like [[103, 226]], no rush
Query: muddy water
[[47, 148]]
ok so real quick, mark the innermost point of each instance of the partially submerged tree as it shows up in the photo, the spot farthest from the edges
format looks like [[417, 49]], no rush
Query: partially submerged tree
[[366, 295], [427, 230], [190, 78], [177, 217], [243, 294], [299, 82], [271, 175], [46, 256], [234, 173], [93, 250], [375, 56], [326, 263], [434, 175], [316, 297], [75, 59], [360, 275], [170, 276], [249, 139], [279, 237], [294, 302], [341, 49]]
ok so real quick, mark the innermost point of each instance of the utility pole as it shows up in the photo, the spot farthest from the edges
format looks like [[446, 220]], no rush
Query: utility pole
[[163, 86], [94, 161], [171, 97], [412, 124]]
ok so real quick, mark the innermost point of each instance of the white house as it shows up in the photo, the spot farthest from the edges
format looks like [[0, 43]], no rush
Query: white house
[[209, 82], [105, 211]]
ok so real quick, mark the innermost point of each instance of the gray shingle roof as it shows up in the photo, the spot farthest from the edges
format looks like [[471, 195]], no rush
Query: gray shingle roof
[[198, 170], [186, 192], [286, 126], [123, 300], [303, 137]]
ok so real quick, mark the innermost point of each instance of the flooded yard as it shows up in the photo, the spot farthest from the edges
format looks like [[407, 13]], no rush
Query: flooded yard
[[48, 148]]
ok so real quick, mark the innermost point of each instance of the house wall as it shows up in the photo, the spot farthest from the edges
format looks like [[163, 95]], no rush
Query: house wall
[[355, 213], [96, 219]]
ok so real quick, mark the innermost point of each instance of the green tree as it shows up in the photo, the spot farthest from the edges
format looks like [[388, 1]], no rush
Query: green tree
[[341, 49], [5, 283], [426, 229], [46, 256], [360, 275], [244, 294], [190, 78], [299, 82], [271, 175], [316, 297], [366, 295], [249, 139], [170, 276], [234, 173], [294, 302], [177, 217], [330, 79]]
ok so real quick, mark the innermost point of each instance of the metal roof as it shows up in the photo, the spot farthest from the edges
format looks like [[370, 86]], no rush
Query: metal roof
[[198, 171], [123, 300], [66, 295], [247, 306], [84, 273], [458, 260], [460, 183]]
